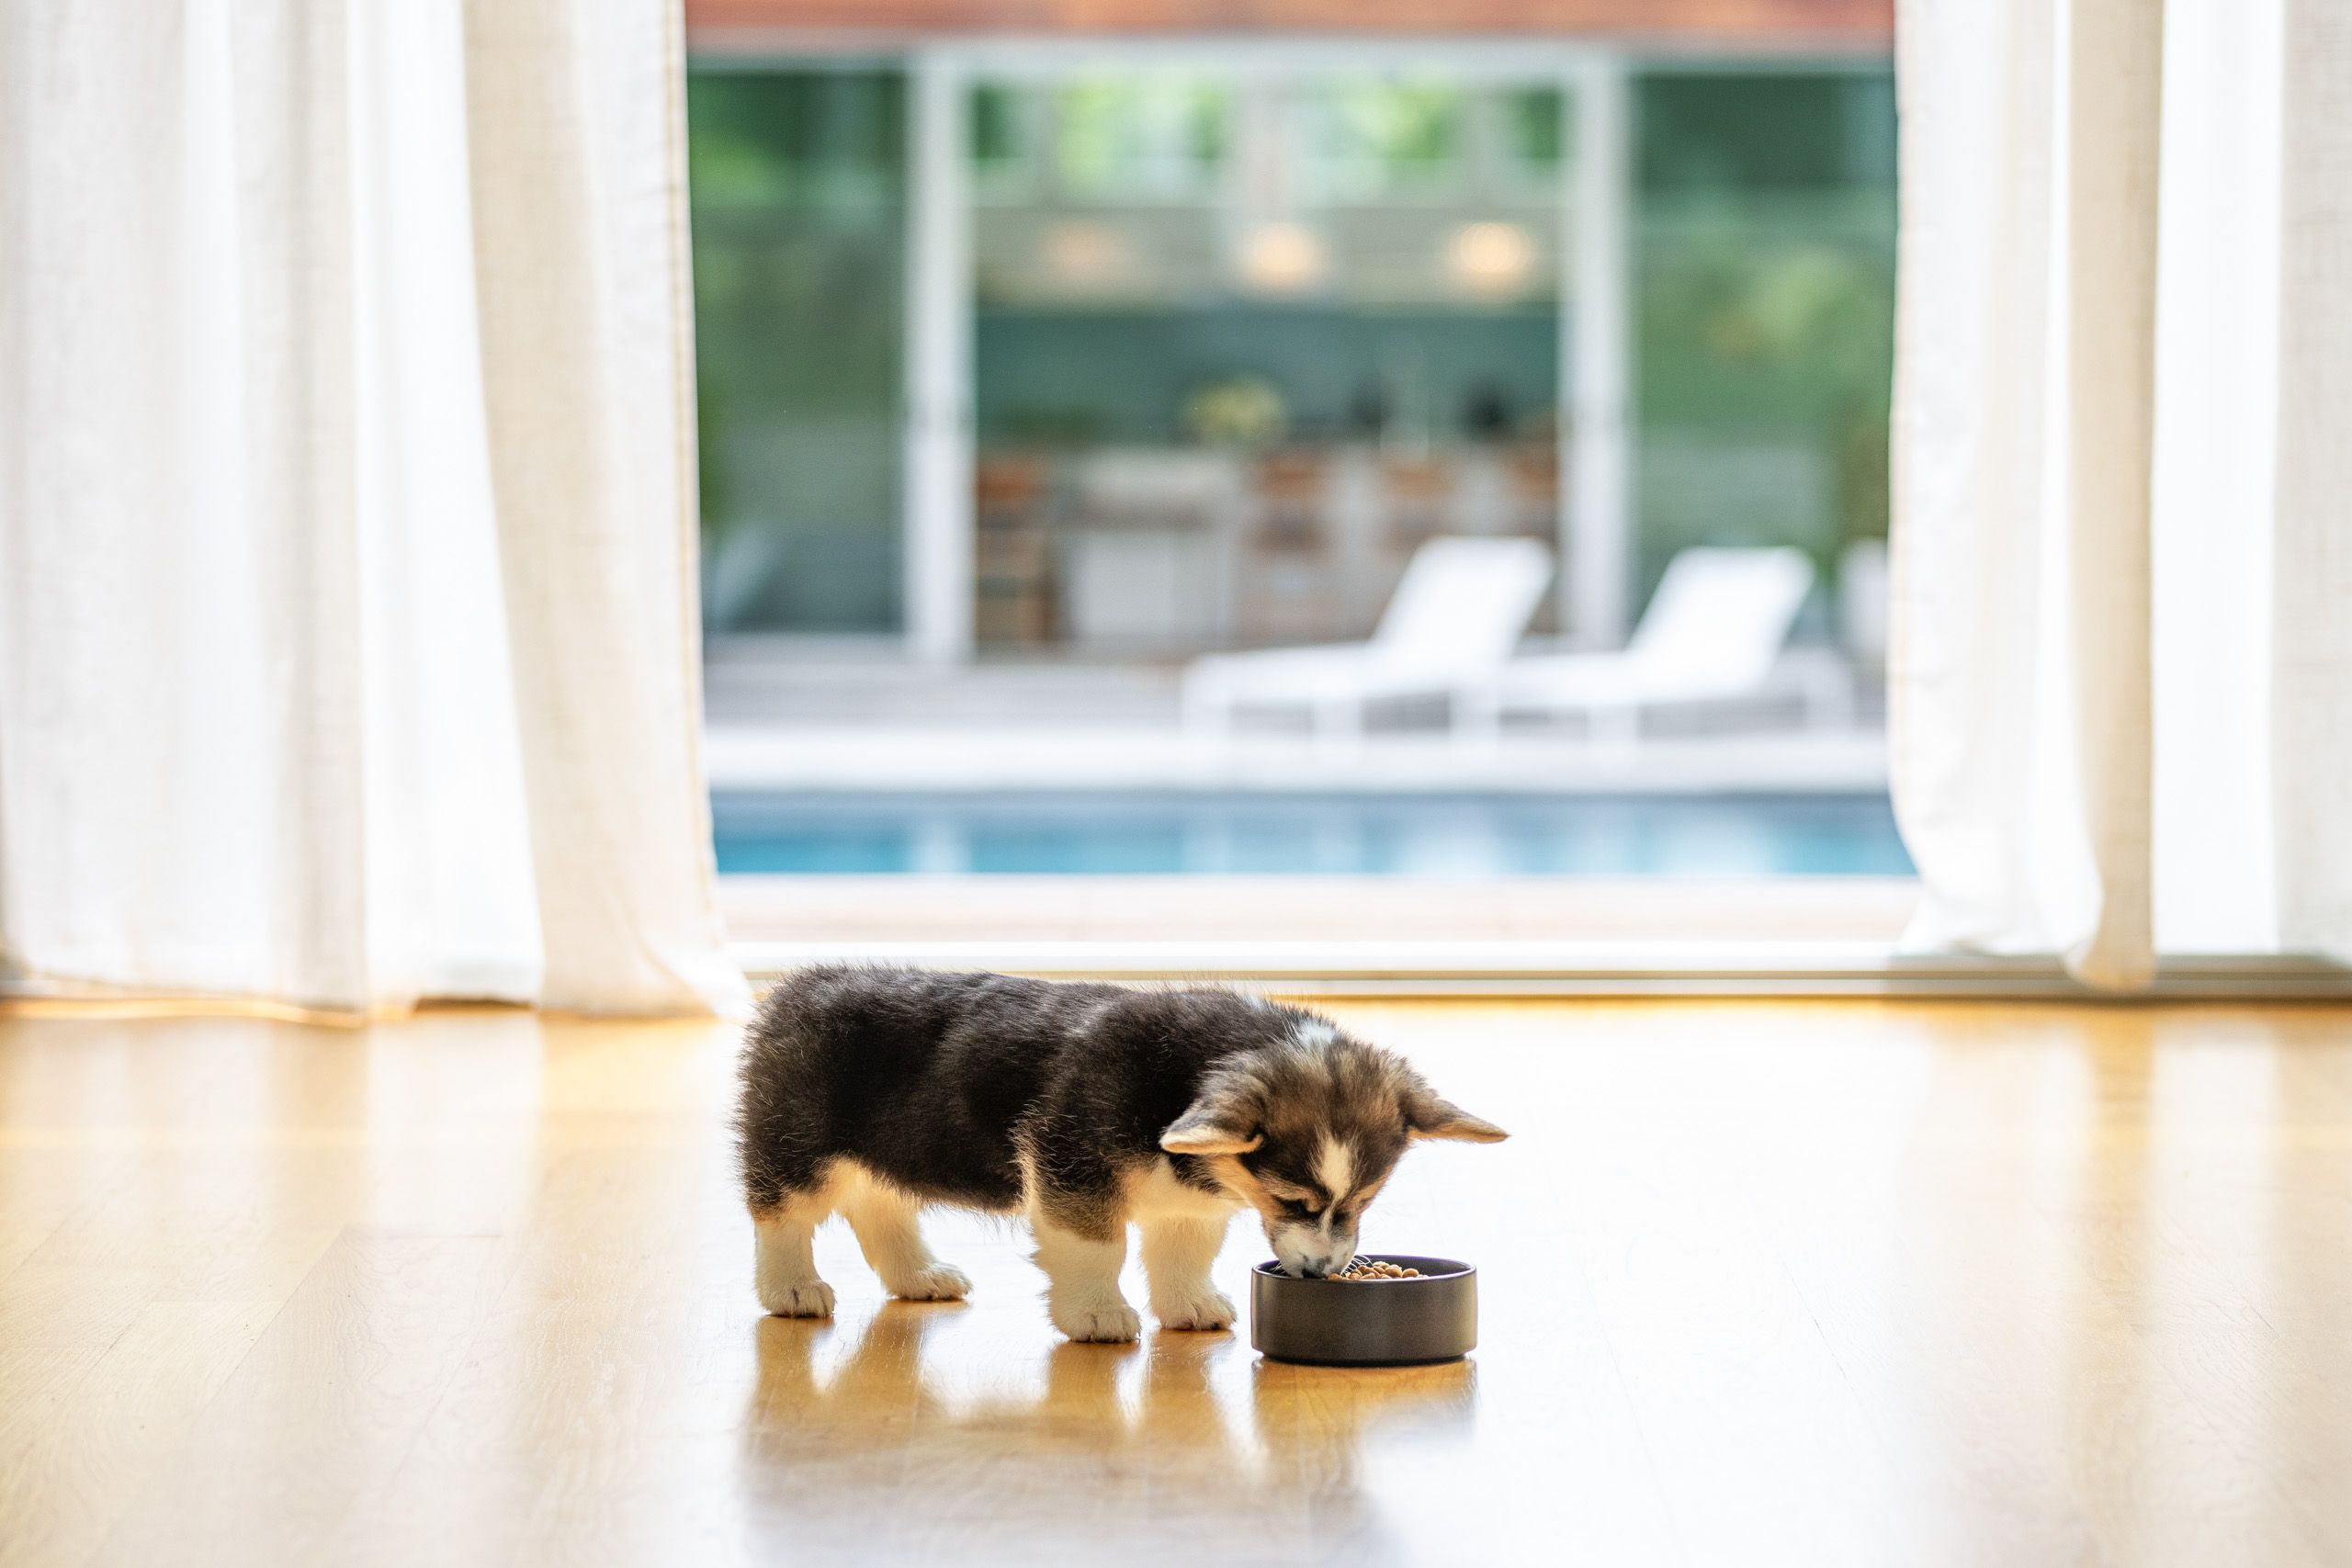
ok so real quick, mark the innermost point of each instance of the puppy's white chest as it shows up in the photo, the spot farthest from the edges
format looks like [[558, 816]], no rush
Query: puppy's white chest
[[1157, 1194]]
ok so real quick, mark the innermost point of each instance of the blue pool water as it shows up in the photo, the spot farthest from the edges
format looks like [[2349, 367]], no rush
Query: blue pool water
[[1370, 835]]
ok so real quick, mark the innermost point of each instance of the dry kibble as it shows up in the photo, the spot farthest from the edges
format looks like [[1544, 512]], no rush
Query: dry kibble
[[1371, 1268]]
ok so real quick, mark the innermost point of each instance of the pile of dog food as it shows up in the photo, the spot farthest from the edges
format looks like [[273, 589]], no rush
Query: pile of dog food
[[1371, 1268]]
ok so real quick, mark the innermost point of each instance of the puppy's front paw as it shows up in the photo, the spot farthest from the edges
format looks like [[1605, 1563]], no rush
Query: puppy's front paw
[[1108, 1323], [814, 1298], [937, 1283], [1204, 1308]]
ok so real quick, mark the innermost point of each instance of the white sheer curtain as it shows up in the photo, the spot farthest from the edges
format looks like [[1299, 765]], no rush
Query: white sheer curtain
[[347, 637], [2121, 668]]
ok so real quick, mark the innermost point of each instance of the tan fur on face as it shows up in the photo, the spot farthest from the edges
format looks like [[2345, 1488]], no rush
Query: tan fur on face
[[1283, 1189], [1364, 1195], [1236, 1179]]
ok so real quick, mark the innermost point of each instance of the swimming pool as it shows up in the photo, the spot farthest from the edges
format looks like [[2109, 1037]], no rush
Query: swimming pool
[[1238, 834]]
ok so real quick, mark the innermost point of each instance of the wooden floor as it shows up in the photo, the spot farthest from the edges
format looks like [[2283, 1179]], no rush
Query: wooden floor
[[1814, 1283]]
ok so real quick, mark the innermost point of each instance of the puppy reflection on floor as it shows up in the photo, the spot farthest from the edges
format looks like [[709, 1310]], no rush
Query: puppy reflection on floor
[[1205, 1451]]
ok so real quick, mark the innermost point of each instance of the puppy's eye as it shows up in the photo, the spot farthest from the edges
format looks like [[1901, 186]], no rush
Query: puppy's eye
[[1292, 1206]]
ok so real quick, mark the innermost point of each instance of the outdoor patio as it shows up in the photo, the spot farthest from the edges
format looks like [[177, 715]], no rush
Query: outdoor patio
[[852, 718]]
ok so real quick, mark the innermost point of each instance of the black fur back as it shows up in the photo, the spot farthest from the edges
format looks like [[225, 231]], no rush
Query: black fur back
[[935, 1081]]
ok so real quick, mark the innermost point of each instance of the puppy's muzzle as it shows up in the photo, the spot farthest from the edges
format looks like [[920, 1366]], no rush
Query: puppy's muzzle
[[1307, 1253]]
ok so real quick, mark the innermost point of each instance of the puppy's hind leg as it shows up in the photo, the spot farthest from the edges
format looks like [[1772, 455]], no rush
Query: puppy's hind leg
[[890, 1232], [784, 1266]]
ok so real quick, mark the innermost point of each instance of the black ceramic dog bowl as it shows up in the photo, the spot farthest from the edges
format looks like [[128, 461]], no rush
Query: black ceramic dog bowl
[[1366, 1322]]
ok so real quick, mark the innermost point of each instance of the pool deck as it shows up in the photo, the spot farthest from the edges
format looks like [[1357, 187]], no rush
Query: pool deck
[[846, 757], [812, 914], [860, 724]]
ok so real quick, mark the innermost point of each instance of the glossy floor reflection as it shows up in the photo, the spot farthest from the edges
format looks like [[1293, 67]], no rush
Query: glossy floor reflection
[[914, 1436], [1760, 1282]]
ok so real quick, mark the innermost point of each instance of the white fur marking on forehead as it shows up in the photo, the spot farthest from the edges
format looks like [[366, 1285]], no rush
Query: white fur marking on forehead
[[1335, 1166], [1314, 1034]]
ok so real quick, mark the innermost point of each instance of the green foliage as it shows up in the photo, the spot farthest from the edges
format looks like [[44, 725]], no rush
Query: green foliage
[[1765, 244], [1535, 125], [1370, 139], [1128, 135], [798, 198]]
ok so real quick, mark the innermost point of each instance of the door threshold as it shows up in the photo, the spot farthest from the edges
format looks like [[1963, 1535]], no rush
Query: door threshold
[[1508, 969]]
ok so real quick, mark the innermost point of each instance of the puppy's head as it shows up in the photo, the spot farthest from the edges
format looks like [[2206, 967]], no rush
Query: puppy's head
[[1307, 1131]]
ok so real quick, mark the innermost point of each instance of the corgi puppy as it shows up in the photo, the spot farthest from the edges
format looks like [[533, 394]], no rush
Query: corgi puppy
[[871, 1092]]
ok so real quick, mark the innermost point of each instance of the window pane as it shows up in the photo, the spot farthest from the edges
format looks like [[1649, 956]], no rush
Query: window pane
[[799, 196], [1765, 234]]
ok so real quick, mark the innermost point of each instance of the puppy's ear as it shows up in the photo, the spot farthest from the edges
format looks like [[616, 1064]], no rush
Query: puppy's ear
[[1428, 1116], [1212, 1126]]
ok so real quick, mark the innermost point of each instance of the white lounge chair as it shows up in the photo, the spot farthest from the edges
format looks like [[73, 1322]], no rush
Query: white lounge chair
[[1460, 609], [1712, 632]]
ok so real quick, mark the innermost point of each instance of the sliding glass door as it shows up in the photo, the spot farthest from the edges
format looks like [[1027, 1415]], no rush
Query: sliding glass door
[[799, 203]]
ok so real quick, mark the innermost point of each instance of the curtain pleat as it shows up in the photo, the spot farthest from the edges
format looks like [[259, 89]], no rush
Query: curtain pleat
[[2118, 676], [347, 650]]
